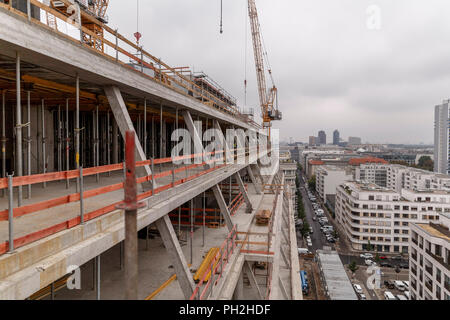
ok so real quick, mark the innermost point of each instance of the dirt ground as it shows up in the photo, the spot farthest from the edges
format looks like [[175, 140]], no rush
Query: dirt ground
[[316, 291]]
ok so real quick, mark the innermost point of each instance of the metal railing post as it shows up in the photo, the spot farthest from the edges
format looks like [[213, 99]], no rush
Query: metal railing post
[[81, 195], [10, 213], [153, 176], [29, 10]]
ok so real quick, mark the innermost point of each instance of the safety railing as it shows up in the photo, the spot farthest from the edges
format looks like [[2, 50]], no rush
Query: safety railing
[[9, 183], [216, 268], [117, 47]]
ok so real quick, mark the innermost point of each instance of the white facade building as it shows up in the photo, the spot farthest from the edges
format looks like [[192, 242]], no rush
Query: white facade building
[[328, 178], [441, 138], [429, 273], [381, 216]]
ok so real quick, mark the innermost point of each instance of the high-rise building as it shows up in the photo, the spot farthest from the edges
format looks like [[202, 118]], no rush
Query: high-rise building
[[354, 140], [336, 137], [441, 138], [322, 137], [312, 141]]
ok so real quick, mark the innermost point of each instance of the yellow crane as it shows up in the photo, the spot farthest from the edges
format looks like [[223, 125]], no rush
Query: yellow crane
[[268, 97]]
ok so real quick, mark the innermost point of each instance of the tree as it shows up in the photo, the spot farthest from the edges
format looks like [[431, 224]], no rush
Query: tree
[[335, 234], [353, 267], [312, 183], [426, 163], [305, 229], [377, 258], [369, 246]]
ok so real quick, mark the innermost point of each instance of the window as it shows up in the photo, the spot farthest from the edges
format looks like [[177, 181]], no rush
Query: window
[[371, 198]]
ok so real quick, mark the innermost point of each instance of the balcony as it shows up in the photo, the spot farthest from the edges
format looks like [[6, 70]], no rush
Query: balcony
[[438, 259]]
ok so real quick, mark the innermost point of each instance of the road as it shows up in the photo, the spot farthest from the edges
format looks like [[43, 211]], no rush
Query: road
[[317, 237]]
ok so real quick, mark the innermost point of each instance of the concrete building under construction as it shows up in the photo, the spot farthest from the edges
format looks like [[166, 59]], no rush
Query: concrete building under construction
[[68, 98]]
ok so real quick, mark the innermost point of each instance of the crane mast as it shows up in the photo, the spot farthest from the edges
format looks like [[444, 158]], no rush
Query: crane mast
[[267, 98]]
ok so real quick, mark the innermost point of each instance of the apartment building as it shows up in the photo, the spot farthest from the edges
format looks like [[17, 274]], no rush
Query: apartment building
[[398, 177], [379, 218], [429, 273], [328, 178], [372, 173]]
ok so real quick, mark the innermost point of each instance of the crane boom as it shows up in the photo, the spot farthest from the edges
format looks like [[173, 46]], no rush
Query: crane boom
[[267, 98]]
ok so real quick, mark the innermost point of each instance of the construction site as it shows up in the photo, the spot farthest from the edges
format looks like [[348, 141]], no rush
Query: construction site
[[205, 228]]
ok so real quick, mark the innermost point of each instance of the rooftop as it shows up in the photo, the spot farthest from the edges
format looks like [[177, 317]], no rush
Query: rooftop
[[358, 161], [435, 230], [336, 279]]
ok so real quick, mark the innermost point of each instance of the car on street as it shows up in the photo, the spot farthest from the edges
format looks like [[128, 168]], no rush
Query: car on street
[[404, 265], [362, 297], [385, 264], [398, 257], [366, 255], [331, 240], [389, 296], [320, 211], [314, 219], [309, 243], [369, 262], [401, 297], [383, 257], [407, 295], [311, 230], [389, 284], [399, 285], [358, 288]]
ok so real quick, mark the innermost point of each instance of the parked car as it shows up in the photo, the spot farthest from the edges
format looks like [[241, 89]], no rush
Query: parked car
[[331, 239], [406, 283], [358, 288], [383, 257], [366, 255], [399, 285], [369, 262], [362, 297], [389, 296], [303, 251], [404, 265], [401, 297], [314, 219], [389, 284], [385, 264], [320, 211], [398, 257], [311, 230], [407, 295]]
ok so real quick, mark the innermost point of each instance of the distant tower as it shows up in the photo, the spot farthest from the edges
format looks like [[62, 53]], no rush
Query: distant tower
[[441, 138], [322, 137], [336, 137]]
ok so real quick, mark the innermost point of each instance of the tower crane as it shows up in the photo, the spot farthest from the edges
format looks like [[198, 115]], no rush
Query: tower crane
[[268, 97]]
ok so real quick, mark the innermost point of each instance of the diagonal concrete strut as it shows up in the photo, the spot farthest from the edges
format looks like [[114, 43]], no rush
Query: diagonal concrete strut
[[216, 189], [249, 209], [173, 247]]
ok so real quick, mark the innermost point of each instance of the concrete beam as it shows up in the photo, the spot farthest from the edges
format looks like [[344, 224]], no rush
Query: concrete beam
[[45, 48], [173, 247], [123, 120], [244, 192], [223, 206]]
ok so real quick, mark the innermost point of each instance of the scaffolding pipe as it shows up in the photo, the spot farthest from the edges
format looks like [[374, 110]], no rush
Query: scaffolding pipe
[[77, 127], [192, 228], [145, 128], [44, 162], [67, 142], [3, 137], [97, 151], [161, 131], [29, 142], [108, 144], [19, 161], [204, 216], [59, 139]]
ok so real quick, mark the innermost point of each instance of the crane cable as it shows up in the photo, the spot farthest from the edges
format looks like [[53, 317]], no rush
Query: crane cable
[[245, 59], [221, 16]]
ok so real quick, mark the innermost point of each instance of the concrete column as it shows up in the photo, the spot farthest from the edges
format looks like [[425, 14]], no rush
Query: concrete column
[[115, 142], [122, 117], [173, 247], [244, 192], [19, 163]]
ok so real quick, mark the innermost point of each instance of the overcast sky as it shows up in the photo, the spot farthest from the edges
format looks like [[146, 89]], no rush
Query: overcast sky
[[332, 71]]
